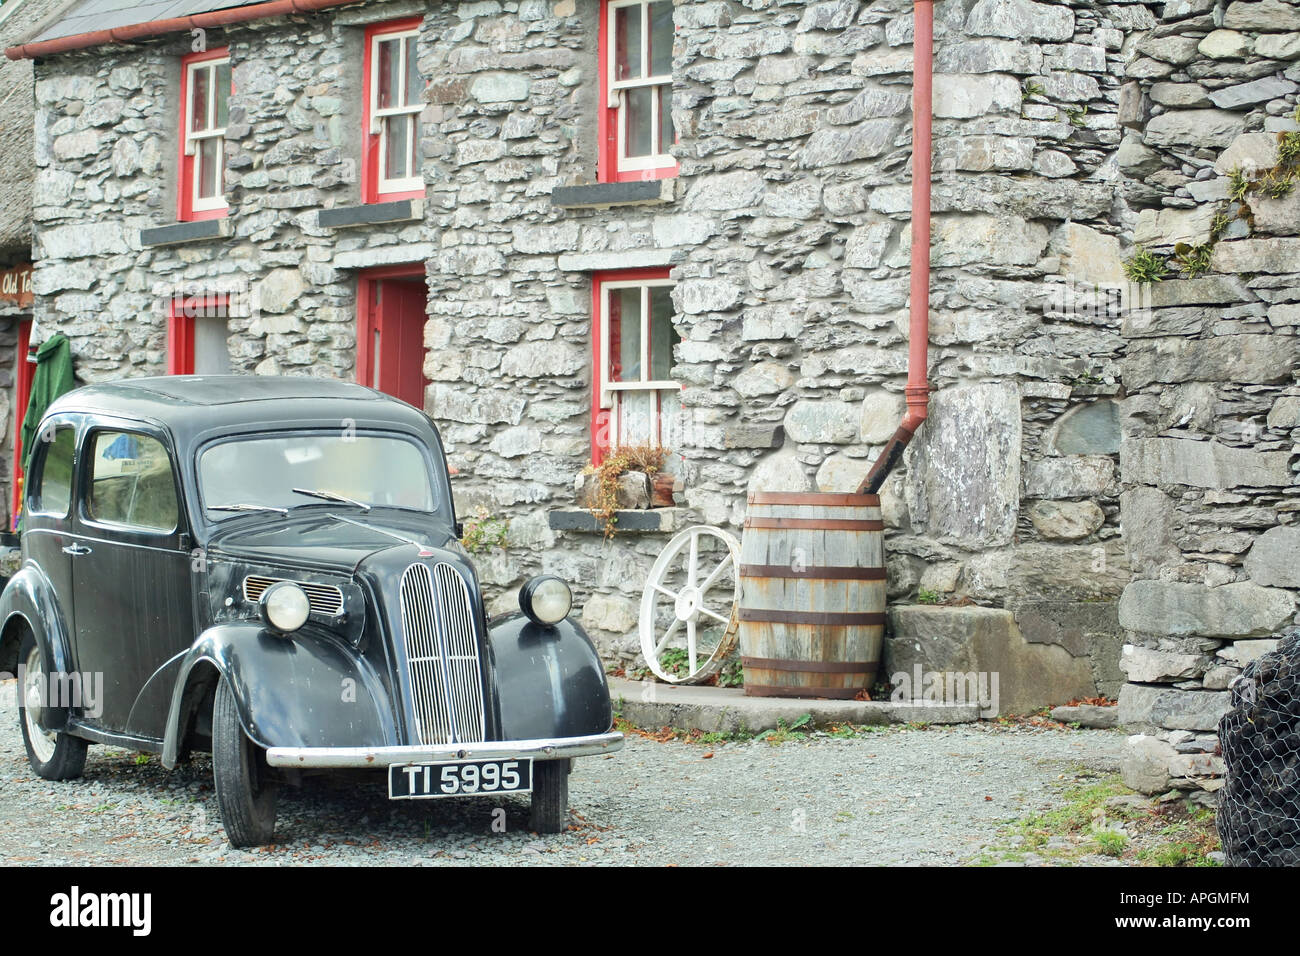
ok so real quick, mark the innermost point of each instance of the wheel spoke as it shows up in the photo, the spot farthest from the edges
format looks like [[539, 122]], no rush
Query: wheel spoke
[[713, 575], [692, 573], [714, 615], [690, 644], [663, 590], [663, 641]]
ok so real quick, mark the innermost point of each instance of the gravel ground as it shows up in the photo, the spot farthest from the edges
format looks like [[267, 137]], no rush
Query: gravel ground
[[903, 796]]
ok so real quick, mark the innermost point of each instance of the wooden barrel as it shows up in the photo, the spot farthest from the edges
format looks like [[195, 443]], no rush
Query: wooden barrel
[[812, 600]]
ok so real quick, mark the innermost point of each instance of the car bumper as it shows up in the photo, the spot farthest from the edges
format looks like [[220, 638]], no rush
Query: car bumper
[[550, 748]]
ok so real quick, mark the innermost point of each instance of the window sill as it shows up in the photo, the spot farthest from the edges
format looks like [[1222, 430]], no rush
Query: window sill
[[176, 233], [649, 521], [648, 192], [368, 214]]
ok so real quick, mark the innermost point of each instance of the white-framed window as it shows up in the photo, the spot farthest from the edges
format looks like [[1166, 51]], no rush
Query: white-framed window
[[636, 400], [393, 110], [637, 64], [206, 110]]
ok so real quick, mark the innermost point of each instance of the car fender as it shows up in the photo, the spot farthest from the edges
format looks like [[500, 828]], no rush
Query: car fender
[[550, 681], [308, 689], [28, 599]]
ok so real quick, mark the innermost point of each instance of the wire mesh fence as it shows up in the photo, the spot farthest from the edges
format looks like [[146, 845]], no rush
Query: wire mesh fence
[[1259, 805]]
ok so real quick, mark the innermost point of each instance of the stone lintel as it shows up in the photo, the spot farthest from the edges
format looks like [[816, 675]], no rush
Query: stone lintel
[[178, 232], [391, 255], [603, 195], [609, 261], [403, 210]]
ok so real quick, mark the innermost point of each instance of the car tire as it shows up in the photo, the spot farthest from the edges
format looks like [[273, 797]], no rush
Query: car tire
[[246, 790], [53, 755], [550, 812]]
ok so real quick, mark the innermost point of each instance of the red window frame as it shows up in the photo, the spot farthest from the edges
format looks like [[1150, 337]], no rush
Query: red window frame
[[370, 145], [185, 211], [180, 328], [607, 167], [601, 414]]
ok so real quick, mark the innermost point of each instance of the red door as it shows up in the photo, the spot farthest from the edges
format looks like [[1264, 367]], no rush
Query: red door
[[390, 337], [23, 373]]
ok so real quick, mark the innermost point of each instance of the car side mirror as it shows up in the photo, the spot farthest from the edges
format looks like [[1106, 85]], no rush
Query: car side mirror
[[460, 530]]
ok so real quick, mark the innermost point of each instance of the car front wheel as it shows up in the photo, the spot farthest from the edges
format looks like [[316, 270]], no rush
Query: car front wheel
[[53, 755], [550, 796], [246, 791]]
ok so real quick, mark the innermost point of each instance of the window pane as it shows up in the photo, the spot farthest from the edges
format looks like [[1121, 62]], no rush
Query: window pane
[[379, 470], [209, 172], [627, 43], [202, 78], [55, 490], [625, 335], [639, 121], [413, 135], [222, 93], [666, 135], [396, 146], [661, 38], [662, 334], [389, 75], [414, 85], [131, 482], [636, 419]]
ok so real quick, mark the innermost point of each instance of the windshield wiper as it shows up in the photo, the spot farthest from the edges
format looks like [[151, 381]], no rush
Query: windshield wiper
[[331, 496], [244, 507]]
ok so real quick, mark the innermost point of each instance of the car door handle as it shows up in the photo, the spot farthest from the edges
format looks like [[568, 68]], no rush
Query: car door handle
[[76, 549]]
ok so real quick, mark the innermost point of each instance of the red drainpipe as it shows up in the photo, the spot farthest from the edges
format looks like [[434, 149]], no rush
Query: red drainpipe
[[155, 28], [918, 388]]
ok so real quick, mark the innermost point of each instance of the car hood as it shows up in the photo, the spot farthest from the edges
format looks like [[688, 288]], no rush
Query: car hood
[[328, 539]]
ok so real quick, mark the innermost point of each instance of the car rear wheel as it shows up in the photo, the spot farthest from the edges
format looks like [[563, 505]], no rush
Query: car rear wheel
[[52, 754], [550, 796], [246, 790]]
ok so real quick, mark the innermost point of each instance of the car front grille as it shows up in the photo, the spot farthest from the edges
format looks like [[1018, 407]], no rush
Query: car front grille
[[323, 598], [442, 655]]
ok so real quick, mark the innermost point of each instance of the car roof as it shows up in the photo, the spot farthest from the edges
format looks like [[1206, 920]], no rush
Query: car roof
[[194, 404]]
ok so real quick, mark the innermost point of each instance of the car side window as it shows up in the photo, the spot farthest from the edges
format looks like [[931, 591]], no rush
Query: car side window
[[131, 482], [52, 490]]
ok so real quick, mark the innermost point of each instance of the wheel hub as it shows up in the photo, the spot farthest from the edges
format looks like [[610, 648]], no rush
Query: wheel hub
[[687, 605]]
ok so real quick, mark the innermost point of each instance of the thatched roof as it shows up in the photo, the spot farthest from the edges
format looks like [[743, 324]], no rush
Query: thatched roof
[[19, 21]]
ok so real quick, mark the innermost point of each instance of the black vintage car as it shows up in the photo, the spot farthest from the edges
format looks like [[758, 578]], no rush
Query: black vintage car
[[270, 568]]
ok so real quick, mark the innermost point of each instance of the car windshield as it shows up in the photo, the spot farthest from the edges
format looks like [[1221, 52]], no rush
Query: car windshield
[[287, 471]]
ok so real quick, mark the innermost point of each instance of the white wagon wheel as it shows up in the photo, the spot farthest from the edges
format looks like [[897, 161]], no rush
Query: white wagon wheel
[[700, 616]]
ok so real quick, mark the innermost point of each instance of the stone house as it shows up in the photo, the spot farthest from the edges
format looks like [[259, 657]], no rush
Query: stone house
[[562, 225], [18, 18]]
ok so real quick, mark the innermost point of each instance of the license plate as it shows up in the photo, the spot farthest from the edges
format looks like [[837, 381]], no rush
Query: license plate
[[463, 778]]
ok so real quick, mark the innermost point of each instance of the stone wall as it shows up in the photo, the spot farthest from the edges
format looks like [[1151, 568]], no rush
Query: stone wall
[[1208, 457], [787, 230], [790, 239]]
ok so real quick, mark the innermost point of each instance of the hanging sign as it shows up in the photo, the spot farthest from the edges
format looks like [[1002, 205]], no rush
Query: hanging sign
[[16, 285]]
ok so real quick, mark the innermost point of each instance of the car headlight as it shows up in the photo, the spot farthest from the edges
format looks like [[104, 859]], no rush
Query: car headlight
[[285, 606], [546, 600]]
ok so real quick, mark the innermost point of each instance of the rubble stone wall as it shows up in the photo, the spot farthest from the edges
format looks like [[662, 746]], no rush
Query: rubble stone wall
[[1208, 458], [788, 232]]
